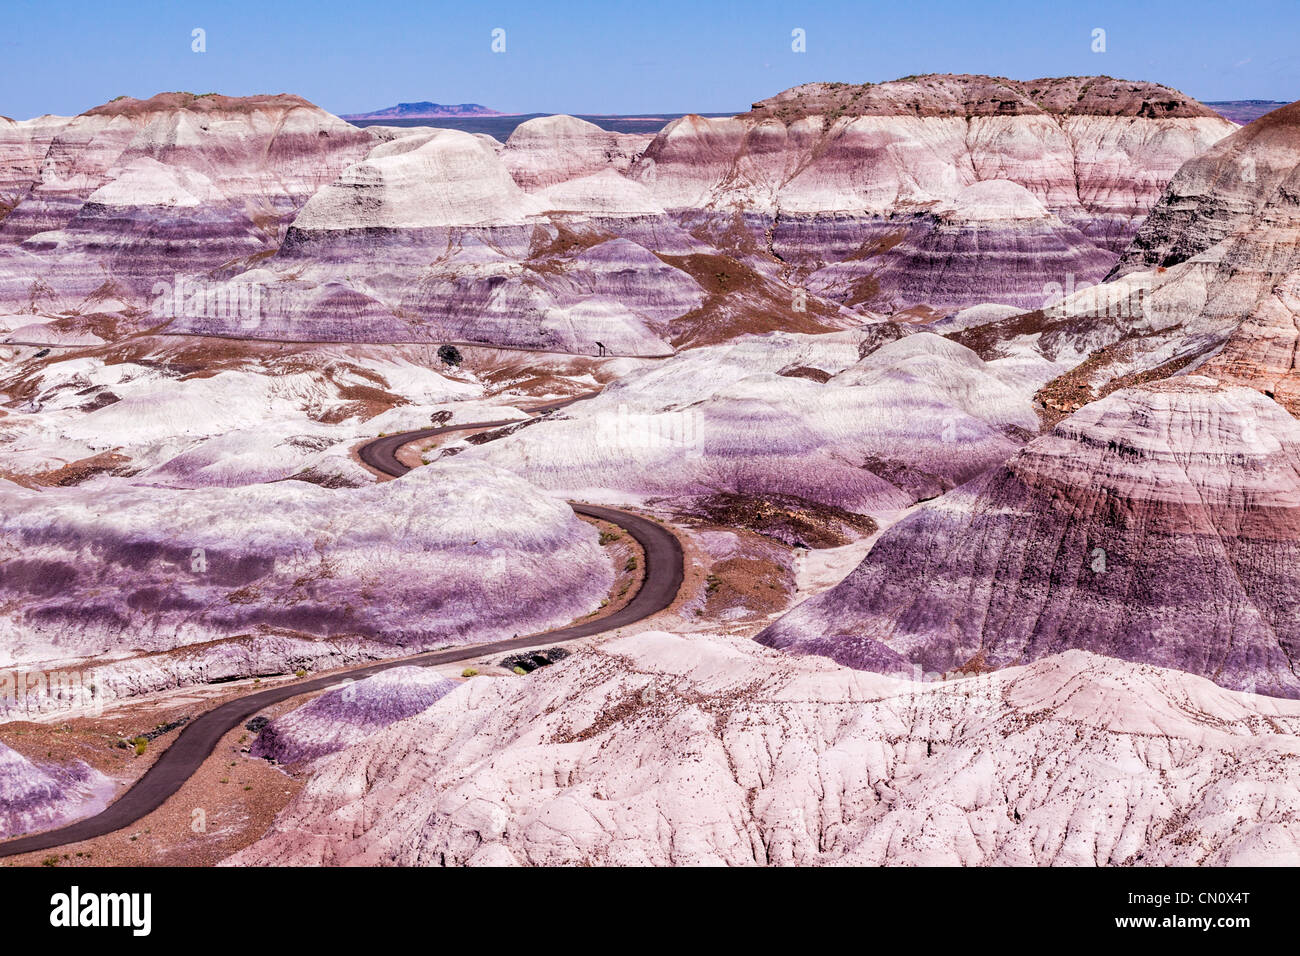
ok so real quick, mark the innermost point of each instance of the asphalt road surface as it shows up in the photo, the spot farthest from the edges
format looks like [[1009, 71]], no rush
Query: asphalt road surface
[[664, 572]]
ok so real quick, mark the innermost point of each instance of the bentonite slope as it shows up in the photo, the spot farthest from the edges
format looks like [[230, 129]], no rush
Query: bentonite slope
[[801, 416], [112, 565], [838, 175], [349, 714], [1221, 191], [266, 217], [23, 144], [1160, 525], [35, 797], [1209, 283], [661, 749], [1228, 234], [132, 193], [191, 412], [552, 149], [269, 153], [430, 238], [993, 236]]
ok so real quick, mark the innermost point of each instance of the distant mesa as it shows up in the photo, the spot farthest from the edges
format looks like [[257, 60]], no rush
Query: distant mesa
[[1245, 111], [425, 110]]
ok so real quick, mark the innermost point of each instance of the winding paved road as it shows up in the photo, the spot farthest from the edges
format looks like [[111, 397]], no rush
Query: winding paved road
[[664, 572]]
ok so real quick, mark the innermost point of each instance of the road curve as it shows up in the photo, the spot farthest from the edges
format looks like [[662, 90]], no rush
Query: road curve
[[664, 572]]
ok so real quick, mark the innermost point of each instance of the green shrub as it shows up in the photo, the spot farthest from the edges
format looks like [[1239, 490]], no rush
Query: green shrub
[[469, 672], [141, 745]]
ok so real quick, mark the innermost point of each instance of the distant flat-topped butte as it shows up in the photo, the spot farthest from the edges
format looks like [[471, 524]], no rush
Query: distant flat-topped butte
[[501, 125]]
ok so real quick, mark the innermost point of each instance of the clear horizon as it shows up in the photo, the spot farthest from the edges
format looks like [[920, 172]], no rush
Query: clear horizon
[[66, 57]]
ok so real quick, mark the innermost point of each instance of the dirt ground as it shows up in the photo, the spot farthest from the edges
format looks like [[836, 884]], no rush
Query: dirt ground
[[226, 805]]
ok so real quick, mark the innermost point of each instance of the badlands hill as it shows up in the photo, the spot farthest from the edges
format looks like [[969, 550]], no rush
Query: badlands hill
[[801, 417], [1219, 192], [1086, 517], [1157, 524], [95, 569], [550, 150], [837, 181], [1160, 525], [872, 211], [135, 192], [349, 714], [665, 749], [822, 205], [1209, 283], [35, 796], [22, 149], [967, 95], [275, 150]]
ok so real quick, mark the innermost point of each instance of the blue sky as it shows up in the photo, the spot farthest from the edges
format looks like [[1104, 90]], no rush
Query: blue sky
[[620, 57]]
